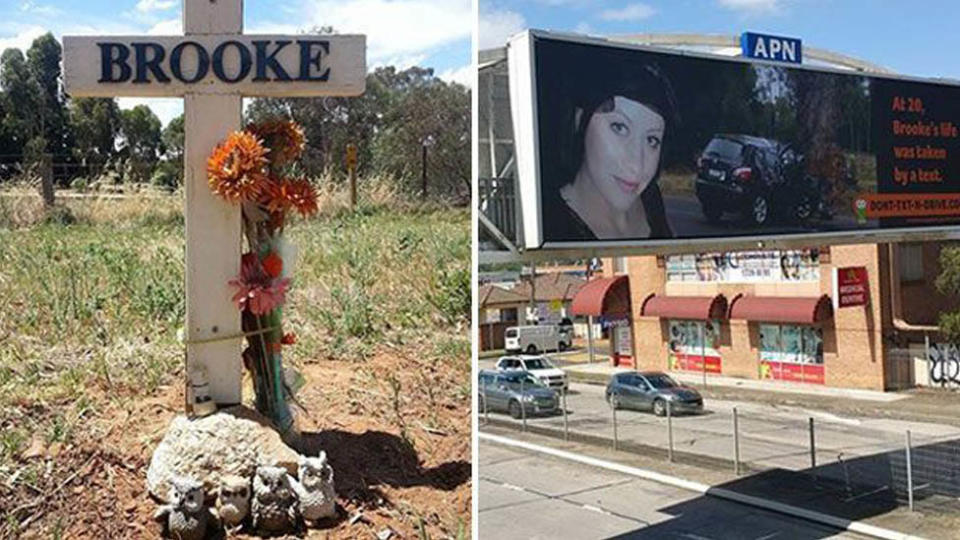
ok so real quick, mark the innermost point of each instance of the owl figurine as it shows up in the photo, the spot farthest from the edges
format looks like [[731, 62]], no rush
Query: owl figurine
[[186, 516], [233, 501], [314, 488], [274, 507]]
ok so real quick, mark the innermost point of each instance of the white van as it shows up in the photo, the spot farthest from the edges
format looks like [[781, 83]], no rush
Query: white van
[[534, 339]]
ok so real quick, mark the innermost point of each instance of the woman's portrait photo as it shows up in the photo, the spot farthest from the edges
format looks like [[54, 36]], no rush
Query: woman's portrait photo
[[613, 123]]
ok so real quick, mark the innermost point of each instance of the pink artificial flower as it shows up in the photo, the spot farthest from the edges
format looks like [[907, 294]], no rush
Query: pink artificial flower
[[257, 291]]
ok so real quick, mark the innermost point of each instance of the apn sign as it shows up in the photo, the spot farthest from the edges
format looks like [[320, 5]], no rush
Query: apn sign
[[777, 48]]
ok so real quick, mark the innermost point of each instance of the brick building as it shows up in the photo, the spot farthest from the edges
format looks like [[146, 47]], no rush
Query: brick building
[[771, 314], [499, 308], [552, 293], [544, 300]]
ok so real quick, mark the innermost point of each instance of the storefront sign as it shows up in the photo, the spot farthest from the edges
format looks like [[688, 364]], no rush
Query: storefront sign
[[746, 266], [792, 372], [622, 121], [613, 322], [695, 362], [850, 286]]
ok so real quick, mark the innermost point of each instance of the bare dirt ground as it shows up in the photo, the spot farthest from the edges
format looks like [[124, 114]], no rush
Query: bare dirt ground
[[91, 369], [401, 458]]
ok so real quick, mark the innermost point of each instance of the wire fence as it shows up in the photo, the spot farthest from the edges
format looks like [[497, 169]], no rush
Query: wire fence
[[63, 171], [852, 462]]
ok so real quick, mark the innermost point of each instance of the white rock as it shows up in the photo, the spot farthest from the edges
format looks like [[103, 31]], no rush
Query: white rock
[[232, 441]]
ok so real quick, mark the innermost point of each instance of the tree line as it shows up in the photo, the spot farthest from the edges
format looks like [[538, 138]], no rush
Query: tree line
[[402, 111]]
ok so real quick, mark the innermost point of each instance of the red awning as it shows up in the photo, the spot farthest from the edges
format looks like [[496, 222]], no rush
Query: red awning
[[801, 310], [603, 296], [685, 307]]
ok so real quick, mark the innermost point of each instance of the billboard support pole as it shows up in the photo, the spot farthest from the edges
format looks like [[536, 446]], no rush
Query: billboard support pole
[[498, 234]]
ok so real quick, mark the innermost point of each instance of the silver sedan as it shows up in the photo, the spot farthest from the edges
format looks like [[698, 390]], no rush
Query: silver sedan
[[652, 391]]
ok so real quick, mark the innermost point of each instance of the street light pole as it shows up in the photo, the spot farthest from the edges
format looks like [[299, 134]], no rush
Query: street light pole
[[589, 318], [426, 142], [423, 172]]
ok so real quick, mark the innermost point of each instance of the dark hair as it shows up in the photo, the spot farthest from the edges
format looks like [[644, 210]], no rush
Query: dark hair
[[644, 84]]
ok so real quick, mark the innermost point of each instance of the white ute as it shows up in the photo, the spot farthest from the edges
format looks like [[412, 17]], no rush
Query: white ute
[[538, 366]]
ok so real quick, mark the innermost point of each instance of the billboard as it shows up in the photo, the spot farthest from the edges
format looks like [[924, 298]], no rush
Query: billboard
[[662, 151]]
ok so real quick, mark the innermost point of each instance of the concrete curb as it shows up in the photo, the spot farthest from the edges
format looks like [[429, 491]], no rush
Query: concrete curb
[[586, 375], [704, 489]]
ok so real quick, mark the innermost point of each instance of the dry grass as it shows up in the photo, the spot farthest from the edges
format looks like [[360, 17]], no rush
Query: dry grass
[[91, 297]]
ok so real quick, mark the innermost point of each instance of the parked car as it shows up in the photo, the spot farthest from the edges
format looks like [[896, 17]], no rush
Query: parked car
[[514, 391], [760, 179], [538, 366], [651, 390], [537, 338]]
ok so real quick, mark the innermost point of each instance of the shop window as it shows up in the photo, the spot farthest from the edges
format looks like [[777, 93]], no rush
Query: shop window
[[911, 262], [791, 343], [693, 346]]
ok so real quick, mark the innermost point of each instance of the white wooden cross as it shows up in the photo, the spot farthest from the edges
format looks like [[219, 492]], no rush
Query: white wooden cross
[[213, 65]]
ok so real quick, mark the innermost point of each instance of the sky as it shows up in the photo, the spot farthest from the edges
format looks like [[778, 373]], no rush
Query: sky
[[403, 33], [917, 38]]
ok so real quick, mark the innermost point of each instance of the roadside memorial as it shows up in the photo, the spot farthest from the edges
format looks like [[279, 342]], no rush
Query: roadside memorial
[[238, 184]]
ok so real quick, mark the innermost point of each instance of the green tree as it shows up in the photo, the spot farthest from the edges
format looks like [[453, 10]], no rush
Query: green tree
[[169, 173], [43, 64], [140, 141], [388, 123], [426, 110], [172, 138], [948, 283], [20, 95], [95, 123]]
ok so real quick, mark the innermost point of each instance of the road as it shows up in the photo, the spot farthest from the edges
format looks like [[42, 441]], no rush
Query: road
[[686, 219], [532, 496], [770, 436]]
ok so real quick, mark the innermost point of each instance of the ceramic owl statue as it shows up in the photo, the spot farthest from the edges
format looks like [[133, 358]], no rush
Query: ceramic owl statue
[[233, 501], [314, 488], [274, 508], [186, 516]]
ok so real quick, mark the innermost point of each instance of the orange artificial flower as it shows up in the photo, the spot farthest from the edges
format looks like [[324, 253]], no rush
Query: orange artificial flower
[[235, 168], [283, 194], [303, 197], [284, 138], [273, 265]]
